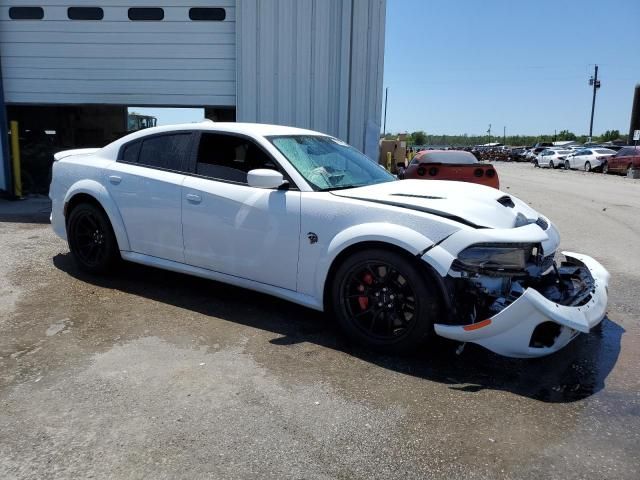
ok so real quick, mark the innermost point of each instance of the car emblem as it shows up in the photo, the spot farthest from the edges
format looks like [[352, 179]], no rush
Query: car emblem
[[313, 238]]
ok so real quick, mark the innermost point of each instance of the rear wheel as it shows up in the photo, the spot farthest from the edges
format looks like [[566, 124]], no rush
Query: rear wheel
[[551, 164], [567, 166], [587, 166], [535, 164], [605, 168], [629, 170], [383, 301], [91, 239]]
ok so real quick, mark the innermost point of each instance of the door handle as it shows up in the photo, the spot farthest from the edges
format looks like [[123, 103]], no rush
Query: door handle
[[115, 179], [193, 198]]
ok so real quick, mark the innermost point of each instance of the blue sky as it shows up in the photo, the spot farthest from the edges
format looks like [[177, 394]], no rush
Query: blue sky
[[456, 66]]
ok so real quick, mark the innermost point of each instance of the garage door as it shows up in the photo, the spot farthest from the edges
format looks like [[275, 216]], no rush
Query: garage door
[[119, 52]]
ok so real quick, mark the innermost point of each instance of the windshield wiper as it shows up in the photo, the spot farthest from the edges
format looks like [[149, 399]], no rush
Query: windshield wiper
[[340, 187]]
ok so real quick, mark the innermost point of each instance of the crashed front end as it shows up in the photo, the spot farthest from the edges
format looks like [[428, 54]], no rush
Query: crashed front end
[[510, 293]]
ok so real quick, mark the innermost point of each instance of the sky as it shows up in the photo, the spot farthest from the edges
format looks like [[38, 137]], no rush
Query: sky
[[454, 67]]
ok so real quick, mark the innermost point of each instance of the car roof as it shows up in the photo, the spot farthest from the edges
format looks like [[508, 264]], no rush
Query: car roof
[[446, 156], [251, 129]]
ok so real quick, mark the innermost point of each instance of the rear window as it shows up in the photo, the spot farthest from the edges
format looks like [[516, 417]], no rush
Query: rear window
[[168, 152], [604, 150], [564, 152]]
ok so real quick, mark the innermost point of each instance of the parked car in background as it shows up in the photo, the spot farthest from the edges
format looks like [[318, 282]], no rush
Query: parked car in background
[[533, 153], [455, 165], [305, 217], [627, 159], [588, 159], [551, 158]]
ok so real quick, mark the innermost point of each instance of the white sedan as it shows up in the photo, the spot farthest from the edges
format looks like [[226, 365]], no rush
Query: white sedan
[[588, 159], [305, 217], [552, 158]]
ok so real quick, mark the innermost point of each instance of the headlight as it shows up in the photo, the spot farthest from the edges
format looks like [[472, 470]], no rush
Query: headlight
[[497, 256]]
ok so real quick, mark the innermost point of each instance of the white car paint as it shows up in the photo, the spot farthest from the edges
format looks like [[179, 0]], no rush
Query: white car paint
[[284, 242], [552, 157], [588, 158]]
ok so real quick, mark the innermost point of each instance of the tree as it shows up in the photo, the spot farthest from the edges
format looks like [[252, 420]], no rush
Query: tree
[[566, 135], [610, 135], [419, 137]]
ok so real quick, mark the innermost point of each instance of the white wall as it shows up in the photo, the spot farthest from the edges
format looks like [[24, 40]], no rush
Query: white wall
[[176, 61], [314, 64]]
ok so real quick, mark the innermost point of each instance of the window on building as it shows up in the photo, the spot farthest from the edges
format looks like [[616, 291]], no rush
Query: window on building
[[146, 13], [207, 14], [227, 157], [26, 13], [85, 13], [170, 152]]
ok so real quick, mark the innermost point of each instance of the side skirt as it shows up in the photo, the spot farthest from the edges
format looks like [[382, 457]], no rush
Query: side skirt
[[290, 295]]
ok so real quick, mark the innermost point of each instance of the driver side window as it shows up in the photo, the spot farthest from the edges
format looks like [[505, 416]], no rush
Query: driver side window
[[229, 157]]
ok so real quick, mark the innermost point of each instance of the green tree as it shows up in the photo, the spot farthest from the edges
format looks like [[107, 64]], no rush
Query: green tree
[[419, 138], [566, 135], [610, 135]]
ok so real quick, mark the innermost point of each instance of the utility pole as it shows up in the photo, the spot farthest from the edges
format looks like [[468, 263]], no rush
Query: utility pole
[[386, 97], [504, 135], [596, 85], [489, 132]]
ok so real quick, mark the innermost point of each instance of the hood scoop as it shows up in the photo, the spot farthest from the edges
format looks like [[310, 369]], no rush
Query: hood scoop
[[506, 201]]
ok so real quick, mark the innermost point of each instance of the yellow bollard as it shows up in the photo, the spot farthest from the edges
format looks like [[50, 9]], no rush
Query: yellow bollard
[[15, 156], [389, 156]]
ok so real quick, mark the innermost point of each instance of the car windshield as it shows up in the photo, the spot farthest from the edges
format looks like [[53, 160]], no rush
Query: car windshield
[[327, 163]]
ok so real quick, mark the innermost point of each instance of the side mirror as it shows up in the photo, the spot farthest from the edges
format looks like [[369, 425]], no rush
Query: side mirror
[[264, 178]]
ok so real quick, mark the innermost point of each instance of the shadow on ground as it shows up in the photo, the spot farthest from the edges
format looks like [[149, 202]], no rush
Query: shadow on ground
[[575, 373], [33, 209]]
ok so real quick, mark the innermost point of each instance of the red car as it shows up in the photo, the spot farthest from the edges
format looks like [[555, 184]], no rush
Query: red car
[[451, 165], [627, 158]]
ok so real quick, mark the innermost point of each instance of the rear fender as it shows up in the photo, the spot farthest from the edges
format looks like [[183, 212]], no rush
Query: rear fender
[[101, 194]]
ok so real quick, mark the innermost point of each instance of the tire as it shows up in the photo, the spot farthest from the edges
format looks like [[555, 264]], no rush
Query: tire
[[384, 302], [551, 164], [91, 239], [535, 164], [605, 168], [587, 166], [629, 169], [567, 166]]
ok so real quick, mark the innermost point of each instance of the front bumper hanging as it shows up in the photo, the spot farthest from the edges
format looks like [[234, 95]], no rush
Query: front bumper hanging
[[515, 330]]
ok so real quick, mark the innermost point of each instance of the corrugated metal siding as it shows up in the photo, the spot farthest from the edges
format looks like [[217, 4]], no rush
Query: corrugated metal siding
[[314, 64], [175, 61]]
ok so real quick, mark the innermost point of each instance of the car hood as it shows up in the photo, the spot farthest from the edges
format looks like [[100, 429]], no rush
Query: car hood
[[467, 203]]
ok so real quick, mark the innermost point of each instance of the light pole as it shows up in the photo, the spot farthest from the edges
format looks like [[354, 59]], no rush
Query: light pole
[[504, 135], [593, 81], [489, 133], [386, 97]]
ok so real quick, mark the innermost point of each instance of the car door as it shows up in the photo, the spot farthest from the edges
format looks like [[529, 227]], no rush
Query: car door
[[621, 160], [146, 184], [232, 228]]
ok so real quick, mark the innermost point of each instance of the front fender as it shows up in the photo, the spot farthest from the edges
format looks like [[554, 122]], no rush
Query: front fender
[[101, 194], [400, 236]]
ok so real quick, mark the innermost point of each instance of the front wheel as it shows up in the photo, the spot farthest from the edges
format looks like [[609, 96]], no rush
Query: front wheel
[[605, 168], [383, 301], [551, 164], [587, 167], [91, 239], [567, 166], [535, 164]]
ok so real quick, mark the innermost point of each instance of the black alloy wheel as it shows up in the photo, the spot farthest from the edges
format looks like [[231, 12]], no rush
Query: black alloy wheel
[[91, 239], [551, 164], [383, 301]]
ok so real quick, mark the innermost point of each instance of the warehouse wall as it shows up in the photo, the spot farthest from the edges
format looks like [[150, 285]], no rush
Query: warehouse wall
[[314, 64], [176, 61]]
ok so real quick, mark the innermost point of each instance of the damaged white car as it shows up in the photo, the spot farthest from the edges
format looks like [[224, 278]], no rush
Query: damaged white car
[[303, 216]]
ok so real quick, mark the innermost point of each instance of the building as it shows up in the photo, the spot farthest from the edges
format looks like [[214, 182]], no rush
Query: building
[[70, 71]]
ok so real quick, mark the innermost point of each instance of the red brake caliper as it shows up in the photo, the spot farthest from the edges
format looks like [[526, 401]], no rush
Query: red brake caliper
[[364, 300]]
